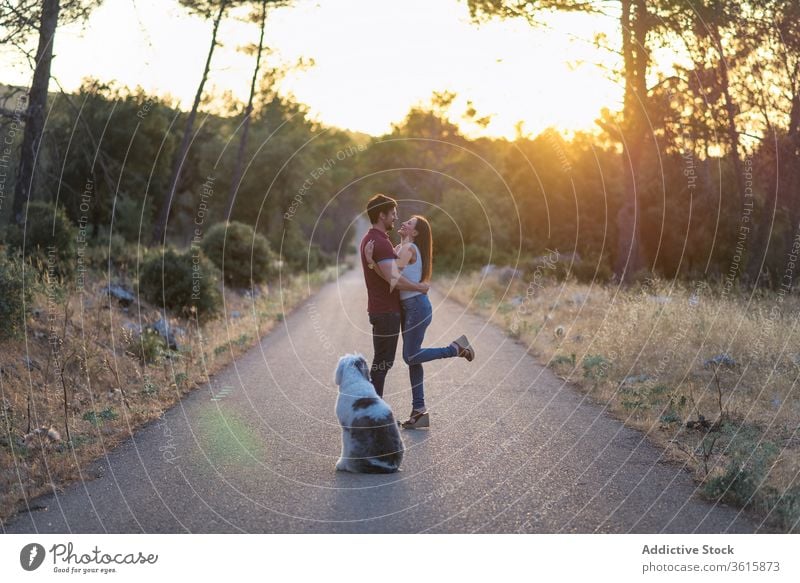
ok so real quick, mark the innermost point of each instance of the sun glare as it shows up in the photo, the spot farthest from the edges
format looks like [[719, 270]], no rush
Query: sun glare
[[373, 61]]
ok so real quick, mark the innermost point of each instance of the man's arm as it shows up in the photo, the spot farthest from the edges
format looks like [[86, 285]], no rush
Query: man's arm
[[389, 271]]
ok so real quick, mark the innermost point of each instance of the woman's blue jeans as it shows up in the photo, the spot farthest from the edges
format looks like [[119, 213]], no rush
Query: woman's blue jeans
[[416, 317]]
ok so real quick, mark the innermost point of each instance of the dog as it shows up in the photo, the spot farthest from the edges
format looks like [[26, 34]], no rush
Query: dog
[[371, 442]]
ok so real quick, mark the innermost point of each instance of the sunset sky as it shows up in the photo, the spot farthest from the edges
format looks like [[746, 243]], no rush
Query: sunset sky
[[374, 60]]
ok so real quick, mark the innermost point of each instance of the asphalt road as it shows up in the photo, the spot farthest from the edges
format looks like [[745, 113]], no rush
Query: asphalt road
[[511, 449]]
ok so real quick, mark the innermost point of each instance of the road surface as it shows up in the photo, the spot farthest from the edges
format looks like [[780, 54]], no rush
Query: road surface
[[511, 449]]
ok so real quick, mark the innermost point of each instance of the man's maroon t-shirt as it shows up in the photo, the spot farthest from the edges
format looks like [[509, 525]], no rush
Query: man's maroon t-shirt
[[379, 299]]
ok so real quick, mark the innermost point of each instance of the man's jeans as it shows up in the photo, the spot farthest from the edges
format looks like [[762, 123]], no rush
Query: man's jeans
[[417, 316], [385, 330]]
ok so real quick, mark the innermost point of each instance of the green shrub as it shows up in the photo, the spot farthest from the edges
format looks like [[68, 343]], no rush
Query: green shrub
[[550, 265], [96, 418], [750, 458], [453, 257], [129, 220], [595, 366], [563, 359], [46, 228], [306, 257], [590, 270], [147, 347], [246, 254], [115, 248], [783, 507], [15, 295], [181, 282], [300, 255]]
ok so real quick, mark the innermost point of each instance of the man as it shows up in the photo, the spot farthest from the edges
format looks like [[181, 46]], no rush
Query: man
[[383, 303]]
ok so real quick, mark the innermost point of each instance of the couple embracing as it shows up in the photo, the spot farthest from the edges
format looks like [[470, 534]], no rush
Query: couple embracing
[[398, 279]]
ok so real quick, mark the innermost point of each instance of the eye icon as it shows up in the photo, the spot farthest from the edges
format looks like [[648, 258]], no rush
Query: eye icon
[[31, 556]]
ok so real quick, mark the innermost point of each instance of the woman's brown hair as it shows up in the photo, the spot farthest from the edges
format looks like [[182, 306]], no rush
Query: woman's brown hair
[[424, 242]]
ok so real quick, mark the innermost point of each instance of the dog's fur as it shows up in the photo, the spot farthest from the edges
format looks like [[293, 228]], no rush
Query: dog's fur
[[371, 442]]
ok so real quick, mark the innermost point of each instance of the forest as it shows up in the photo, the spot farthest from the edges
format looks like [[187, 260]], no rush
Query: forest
[[695, 177]]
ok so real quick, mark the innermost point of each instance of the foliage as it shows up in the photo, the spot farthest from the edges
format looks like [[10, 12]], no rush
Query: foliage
[[147, 347], [114, 249], [750, 457], [243, 256], [114, 189], [489, 200], [48, 239], [182, 282], [19, 18], [595, 366], [563, 359], [300, 254], [15, 297], [96, 418]]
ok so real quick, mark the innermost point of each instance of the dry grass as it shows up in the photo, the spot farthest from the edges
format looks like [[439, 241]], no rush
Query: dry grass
[[647, 353], [113, 381]]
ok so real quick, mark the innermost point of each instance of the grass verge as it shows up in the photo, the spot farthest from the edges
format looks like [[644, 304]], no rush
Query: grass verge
[[88, 372], [708, 374]]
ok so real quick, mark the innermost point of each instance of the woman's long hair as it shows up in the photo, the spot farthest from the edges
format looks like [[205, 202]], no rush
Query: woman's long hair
[[424, 242]]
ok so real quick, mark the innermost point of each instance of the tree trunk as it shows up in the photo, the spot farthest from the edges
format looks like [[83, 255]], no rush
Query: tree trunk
[[789, 179], [237, 174], [634, 23], [730, 113], [160, 227], [37, 102], [760, 241], [733, 138], [787, 187], [791, 162]]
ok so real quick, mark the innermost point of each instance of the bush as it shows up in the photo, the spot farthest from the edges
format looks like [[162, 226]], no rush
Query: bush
[[299, 254], [247, 254], [750, 458], [552, 265], [15, 294], [130, 222], [46, 227], [306, 258], [591, 270], [113, 248], [148, 347], [181, 282], [449, 259]]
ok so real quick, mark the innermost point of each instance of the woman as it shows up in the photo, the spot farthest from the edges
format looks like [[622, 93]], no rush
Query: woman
[[414, 258]]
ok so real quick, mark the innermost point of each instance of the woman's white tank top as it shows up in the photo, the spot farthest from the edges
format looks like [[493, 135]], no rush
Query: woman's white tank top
[[412, 272]]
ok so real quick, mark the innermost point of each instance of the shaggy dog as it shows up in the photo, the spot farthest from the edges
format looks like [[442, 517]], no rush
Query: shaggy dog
[[371, 442]]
